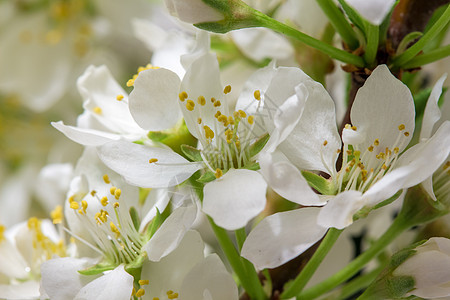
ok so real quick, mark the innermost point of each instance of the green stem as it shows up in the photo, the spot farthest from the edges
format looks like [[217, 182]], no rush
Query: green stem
[[333, 52], [246, 278], [427, 58], [339, 22], [399, 225], [308, 271], [412, 51], [371, 50]]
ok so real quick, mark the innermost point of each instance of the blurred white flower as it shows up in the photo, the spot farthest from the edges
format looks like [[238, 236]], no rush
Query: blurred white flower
[[374, 11]]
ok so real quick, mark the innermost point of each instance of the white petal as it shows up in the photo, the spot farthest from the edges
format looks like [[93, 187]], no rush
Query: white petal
[[20, 291], [202, 78], [209, 275], [60, 277], [261, 43], [285, 179], [170, 271], [53, 183], [373, 11], [114, 285], [287, 117], [430, 271], [171, 232], [149, 33], [381, 105], [193, 11], [86, 137], [156, 199], [235, 198], [153, 101], [132, 162], [281, 237], [12, 263], [339, 210], [305, 145], [432, 113]]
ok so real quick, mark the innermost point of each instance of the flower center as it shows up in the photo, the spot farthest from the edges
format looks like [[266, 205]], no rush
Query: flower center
[[441, 182], [111, 227], [362, 168], [225, 138]]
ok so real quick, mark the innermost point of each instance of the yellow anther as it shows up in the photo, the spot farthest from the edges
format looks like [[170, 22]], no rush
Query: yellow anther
[[325, 142], [348, 126], [347, 169], [133, 292], [384, 167], [57, 214], [242, 113], [238, 144], [93, 193], [169, 292], [257, 95], [152, 160], [396, 150], [71, 198], [199, 120], [182, 96], [190, 105], [114, 228], [250, 120], [112, 190], [354, 128], [236, 115], [143, 282], [349, 152], [84, 205], [406, 133], [222, 118], [117, 194], [130, 82], [116, 204], [80, 211], [97, 110], [338, 151], [227, 89], [201, 100], [447, 165], [2, 232], [218, 114], [155, 298], [104, 201], [376, 142], [357, 153], [213, 100], [74, 205], [401, 127], [140, 293], [106, 178], [119, 97], [370, 148], [173, 296], [209, 134], [218, 173], [217, 103]]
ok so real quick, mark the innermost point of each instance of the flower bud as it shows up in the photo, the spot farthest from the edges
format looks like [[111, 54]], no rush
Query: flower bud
[[193, 11]]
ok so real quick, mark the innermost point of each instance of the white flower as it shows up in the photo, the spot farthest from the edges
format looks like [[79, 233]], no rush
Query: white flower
[[373, 169], [374, 11], [429, 267], [228, 142], [23, 248], [106, 115]]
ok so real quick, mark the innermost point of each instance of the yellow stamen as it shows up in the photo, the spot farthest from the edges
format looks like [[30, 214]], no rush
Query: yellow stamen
[[406, 133], [114, 229], [250, 120], [209, 134], [257, 95], [130, 82], [57, 215], [227, 89], [217, 103], [143, 282], [201, 100], [116, 204], [106, 179], [74, 205], [152, 160], [97, 110], [182, 96], [104, 201], [190, 105], [117, 194], [119, 97], [376, 142], [199, 120], [325, 142], [401, 127], [140, 293], [112, 190], [218, 173]]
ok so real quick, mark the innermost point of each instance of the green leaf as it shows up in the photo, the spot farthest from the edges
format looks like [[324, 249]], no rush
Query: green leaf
[[192, 153], [135, 217], [258, 145], [354, 16], [408, 39], [98, 268], [206, 177], [319, 183]]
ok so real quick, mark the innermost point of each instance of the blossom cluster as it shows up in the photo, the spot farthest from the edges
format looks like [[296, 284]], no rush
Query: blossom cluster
[[287, 149]]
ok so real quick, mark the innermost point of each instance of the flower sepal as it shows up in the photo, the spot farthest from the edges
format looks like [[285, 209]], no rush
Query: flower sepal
[[174, 137], [365, 211], [319, 183], [191, 153], [98, 268]]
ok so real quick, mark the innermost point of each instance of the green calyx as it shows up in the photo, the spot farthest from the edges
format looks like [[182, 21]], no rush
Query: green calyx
[[174, 138]]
